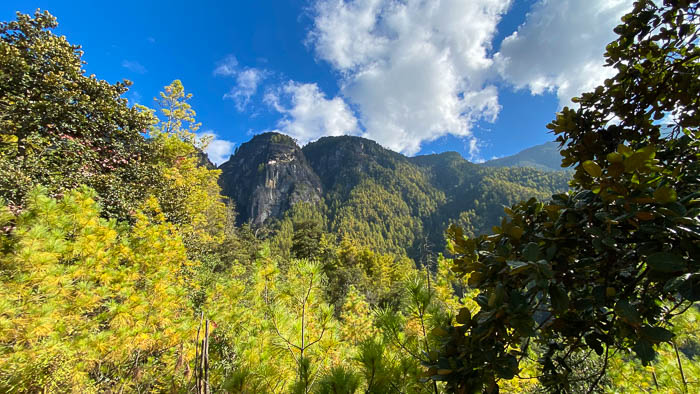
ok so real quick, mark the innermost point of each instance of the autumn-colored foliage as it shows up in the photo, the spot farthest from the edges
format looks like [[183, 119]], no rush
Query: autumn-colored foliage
[[116, 244]]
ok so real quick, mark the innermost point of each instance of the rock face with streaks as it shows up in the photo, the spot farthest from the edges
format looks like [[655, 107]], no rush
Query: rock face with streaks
[[266, 176]]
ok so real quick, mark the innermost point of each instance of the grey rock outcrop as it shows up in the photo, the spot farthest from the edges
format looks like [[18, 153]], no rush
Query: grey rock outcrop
[[268, 175]]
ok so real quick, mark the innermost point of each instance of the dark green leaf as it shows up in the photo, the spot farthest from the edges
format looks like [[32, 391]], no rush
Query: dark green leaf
[[690, 288], [656, 334], [645, 351], [464, 316], [531, 251], [518, 266], [666, 262], [559, 297], [628, 313], [507, 367], [594, 343]]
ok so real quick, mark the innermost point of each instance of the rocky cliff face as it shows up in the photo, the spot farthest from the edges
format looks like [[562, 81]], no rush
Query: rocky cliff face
[[266, 176]]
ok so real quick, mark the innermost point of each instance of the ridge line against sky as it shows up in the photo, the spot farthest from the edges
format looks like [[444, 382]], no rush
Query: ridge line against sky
[[482, 77]]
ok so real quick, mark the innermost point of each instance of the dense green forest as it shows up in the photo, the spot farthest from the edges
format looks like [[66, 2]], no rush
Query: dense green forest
[[123, 267]]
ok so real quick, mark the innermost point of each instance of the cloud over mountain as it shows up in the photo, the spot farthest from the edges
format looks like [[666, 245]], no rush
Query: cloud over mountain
[[308, 115], [417, 70], [414, 70], [218, 150], [247, 79]]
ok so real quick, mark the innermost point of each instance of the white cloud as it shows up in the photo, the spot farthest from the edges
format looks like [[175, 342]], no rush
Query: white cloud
[[560, 47], [227, 66], [247, 81], [218, 150], [308, 114], [474, 150], [134, 66], [416, 70]]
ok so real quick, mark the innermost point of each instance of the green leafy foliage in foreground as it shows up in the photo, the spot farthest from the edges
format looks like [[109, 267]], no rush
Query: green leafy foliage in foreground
[[105, 275], [602, 270], [60, 128]]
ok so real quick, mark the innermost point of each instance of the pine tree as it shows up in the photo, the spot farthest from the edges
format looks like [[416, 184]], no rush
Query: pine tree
[[88, 303], [356, 317]]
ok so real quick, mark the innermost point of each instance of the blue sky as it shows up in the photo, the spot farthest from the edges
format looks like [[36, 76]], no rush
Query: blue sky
[[482, 77]]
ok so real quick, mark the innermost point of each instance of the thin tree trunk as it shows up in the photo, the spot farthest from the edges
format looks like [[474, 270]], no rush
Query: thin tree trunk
[[206, 357], [203, 361], [200, 379], [680, 367], [197, 375]]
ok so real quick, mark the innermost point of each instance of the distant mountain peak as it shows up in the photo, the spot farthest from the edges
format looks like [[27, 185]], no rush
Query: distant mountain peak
[[544, 157]]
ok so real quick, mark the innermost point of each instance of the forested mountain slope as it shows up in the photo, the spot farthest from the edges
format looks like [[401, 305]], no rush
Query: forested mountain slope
[[384, 199], [372, 194]]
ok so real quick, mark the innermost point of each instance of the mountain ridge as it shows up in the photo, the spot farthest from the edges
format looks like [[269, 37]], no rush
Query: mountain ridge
[[367, 192], [543, 157]]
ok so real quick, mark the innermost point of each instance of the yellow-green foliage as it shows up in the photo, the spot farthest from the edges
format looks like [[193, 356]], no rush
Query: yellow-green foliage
[[191, 199], [101, 289], [378, 217], [278, 324], [377, 276], [358, 325], [267, 311], [91, 304], [664, 375], [188, 191]]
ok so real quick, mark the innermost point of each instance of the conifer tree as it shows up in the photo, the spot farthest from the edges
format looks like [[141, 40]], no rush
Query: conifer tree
[[357, 323], [302, 322], [189, 192], [91, 304], [339, 380]]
